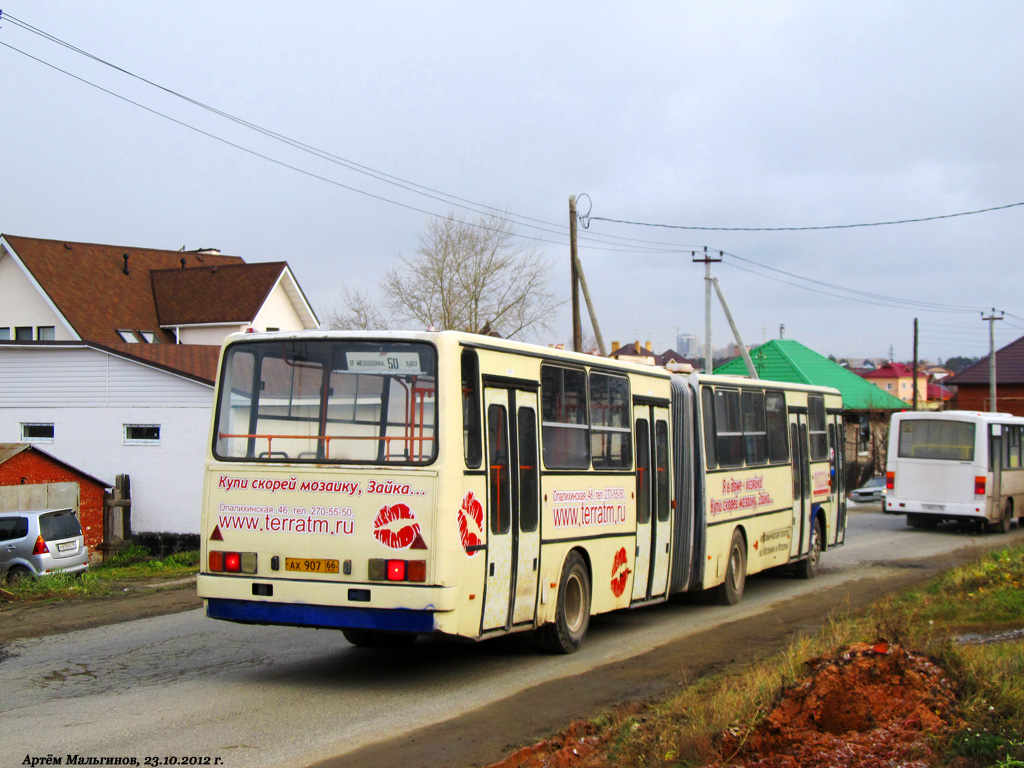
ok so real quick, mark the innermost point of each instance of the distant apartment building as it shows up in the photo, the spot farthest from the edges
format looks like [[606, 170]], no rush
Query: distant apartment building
[[688, 345]]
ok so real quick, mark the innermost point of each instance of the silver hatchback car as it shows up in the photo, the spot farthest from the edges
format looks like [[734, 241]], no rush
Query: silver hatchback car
[[34, 542]]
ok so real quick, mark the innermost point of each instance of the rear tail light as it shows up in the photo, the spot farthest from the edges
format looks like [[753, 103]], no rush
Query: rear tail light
[[979, 486], [40, 548], [380, 569], [231, 562], [890, 480]]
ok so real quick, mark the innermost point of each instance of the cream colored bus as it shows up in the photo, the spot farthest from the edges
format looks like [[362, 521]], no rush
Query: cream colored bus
[[394, 484]]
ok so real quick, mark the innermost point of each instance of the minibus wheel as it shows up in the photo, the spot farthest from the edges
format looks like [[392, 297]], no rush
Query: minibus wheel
[[572, 608], [730, 591]]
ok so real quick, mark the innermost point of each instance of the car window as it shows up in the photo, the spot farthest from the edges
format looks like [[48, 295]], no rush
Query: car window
[[59, 525], [13, 528]]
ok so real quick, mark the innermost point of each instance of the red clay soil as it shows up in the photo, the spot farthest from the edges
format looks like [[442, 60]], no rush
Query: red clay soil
[[869, 705]]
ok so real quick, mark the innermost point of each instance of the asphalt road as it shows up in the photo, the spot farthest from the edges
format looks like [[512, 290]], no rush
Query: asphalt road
[[182, 686]]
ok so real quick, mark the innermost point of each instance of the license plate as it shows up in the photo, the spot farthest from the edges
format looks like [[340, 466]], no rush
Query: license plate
[[67, 546], [934, 507], [310, 565]]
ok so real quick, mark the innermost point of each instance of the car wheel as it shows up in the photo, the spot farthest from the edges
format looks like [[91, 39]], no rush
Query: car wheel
[[16, 574]]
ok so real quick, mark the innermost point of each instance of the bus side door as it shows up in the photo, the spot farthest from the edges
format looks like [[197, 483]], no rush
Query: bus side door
[[513, 507], [801, 467], [653, 530]]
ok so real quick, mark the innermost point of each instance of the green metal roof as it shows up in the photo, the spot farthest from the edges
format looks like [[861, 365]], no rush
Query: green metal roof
[[789, 360]]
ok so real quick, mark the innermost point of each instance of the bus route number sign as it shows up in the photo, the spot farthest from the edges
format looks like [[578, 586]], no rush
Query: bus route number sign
[[310, 565], [384, 362]]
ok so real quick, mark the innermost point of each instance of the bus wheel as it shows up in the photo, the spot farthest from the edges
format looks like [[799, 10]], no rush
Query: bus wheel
[[371, 638], [572, 609], [806, 569], [730, 592], [1003, 524]]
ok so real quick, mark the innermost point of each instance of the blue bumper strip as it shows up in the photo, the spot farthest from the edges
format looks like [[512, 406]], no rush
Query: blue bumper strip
[[324, 616]]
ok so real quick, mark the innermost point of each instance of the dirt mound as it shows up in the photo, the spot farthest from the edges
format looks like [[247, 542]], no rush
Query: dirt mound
[[869, 705], [866, 706]]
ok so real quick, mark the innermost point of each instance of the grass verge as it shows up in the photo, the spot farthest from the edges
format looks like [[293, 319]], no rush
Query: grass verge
[[970, 621], [129, 566]]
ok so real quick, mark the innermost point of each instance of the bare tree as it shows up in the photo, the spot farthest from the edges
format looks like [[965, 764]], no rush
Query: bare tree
[[465, 275], [359, 313]]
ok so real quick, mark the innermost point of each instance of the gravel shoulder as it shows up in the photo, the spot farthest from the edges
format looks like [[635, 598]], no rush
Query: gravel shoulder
[[19, 621]]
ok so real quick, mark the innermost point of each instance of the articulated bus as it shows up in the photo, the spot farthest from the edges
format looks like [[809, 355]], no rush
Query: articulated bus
[[394, 484], [956, 465]]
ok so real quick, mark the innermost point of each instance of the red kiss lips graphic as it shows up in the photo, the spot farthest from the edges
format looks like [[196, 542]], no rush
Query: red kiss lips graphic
[[471, 509], [619, 573], [400, 536]]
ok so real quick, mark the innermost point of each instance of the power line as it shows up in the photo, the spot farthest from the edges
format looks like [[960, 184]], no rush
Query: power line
[[410, 186], [807, 228]]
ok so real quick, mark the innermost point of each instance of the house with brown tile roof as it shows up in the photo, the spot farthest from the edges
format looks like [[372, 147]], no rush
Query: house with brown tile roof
[[56, 290], [108, 356], [898, 380], [972, 384]]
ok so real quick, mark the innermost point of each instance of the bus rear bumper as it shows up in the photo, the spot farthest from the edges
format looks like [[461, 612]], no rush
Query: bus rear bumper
[[320, 616], [945, 510]]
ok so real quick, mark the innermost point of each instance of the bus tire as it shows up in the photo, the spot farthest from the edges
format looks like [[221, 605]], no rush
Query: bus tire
[[807, 567], [731, 590], [371, 638], [572, 608], [1002, 525]]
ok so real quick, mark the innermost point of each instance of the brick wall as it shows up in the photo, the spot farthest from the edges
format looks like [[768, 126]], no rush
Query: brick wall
[[1009, 398], [34, 468]]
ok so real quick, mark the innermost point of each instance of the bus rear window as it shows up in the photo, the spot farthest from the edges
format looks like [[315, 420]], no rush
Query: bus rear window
[[935, 439], [328, 401]]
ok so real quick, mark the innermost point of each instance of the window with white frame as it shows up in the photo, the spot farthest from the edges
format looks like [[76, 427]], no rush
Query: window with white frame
[[128, 336], [149, 337], [142, 434], [5, 334], [34, 432]]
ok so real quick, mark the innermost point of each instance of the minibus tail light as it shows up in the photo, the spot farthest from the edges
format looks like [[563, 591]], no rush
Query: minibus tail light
[[890, 480], [979, 486], [216, 561]]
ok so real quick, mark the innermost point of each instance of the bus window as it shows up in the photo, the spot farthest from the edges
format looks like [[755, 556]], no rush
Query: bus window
[[936, 439], [564, 429], [775, 416], [661, 465], [643, 471], [728, 428], [708, 408], [470, 409], [816, 422], [501, 487], [755, 436], [528, 470], [609, 422]]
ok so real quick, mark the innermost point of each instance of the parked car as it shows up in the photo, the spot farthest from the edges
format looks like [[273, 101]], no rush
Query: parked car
[[40, 541], [872, 490]]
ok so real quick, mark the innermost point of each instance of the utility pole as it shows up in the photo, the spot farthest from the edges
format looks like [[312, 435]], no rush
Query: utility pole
[[735, 331], [707, 259], [914, 385], [579, 281], [991, 319], [577, 328]]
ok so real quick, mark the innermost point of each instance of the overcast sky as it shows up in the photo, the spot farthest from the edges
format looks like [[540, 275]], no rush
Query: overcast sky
[[713, 114]]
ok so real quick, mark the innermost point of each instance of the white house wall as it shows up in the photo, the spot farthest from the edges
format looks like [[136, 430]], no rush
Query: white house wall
[[89, 396], [278, 312], [208, 334], [21, 304]]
